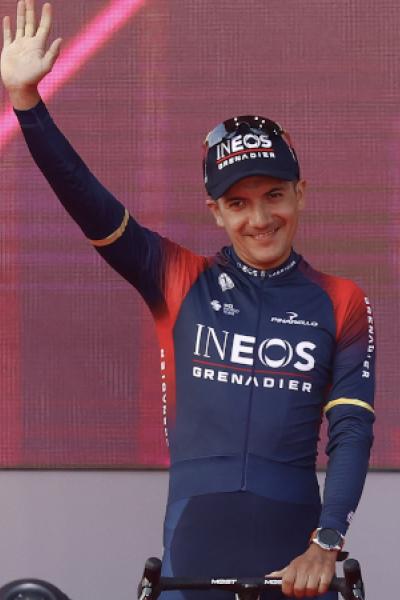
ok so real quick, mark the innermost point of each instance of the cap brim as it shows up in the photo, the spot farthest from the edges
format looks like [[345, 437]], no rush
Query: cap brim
[[220, 189]]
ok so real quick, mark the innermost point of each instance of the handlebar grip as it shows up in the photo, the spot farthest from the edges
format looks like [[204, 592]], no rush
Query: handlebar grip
[[148, 586], [152, 570], [353, 578], [351, 587], [352, 571], [338, 584]]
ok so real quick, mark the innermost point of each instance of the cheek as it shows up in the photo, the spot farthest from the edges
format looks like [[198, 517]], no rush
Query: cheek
[[294, 221], [235, 223], [290, 217]]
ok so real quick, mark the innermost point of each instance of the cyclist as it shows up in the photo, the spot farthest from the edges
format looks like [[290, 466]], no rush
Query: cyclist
[[255, 345]]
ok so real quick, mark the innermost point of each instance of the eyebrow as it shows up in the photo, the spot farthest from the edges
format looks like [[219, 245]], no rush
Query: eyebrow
[[277, 188]]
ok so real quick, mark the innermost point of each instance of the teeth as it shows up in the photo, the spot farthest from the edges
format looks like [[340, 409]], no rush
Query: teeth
[[260, 236]]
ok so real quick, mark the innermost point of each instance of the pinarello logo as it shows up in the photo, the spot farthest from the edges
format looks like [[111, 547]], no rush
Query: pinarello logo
[[292, 319]]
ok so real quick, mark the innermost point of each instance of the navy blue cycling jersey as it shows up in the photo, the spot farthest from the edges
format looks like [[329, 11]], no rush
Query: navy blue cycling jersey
[[250, 359]]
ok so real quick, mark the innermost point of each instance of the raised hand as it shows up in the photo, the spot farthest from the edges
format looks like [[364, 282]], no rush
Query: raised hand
[[26, 59]]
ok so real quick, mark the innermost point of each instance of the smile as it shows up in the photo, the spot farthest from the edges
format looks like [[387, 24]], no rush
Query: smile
[[265, 234]]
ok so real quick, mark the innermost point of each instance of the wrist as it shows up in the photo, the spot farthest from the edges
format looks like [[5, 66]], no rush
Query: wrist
[[24, 98], [318, 553], [327, 539]]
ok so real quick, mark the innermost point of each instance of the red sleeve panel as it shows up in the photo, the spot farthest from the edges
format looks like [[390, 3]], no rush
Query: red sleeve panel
[[353, 367], [181, 268]]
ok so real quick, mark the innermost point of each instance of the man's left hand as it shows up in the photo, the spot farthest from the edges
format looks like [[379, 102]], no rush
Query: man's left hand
[[308, 575]]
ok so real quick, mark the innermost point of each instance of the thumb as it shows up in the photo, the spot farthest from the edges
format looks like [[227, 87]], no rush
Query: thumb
[[52, 53]]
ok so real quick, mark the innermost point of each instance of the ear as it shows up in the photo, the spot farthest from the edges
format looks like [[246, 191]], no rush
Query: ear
[[215, 210], [301, 187]]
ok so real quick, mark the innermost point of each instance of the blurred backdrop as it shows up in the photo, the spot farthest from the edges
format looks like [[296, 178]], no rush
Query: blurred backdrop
[[137, 87]]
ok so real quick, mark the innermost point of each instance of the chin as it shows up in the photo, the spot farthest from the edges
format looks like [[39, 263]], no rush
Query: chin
[[267, 256], [268, 261]]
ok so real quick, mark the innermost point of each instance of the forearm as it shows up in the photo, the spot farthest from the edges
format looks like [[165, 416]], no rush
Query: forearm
[[93, 207], [349, 450], [130, 249]]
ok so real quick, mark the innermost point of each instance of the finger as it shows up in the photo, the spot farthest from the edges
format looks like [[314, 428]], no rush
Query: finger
[[312, 586], [52, 54], [300, 584], [20, 19], [7, 39], [277, 573], [45, 22], [324, 584], [288, 580], [30, 25]]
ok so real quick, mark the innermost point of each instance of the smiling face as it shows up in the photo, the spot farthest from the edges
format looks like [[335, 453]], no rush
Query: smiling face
[[260, 215]]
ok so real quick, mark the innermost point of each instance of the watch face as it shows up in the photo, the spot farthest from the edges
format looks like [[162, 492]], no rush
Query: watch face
[[329, 537]]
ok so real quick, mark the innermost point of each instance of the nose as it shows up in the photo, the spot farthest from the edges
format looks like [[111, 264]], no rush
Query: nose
[[260, 216]]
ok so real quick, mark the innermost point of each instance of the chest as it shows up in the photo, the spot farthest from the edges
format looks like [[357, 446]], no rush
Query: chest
[[283, 327]]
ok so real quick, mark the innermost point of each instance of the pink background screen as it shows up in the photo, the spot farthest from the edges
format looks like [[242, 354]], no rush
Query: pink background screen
[[137, 87]]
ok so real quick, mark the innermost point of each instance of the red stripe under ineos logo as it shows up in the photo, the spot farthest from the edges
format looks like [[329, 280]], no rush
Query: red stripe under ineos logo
[[250, 370]]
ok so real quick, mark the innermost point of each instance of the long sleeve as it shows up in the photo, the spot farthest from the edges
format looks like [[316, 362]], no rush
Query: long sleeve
[[350, 413], [132, 250]]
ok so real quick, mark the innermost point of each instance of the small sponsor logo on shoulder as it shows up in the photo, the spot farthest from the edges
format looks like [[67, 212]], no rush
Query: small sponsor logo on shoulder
[[292, 319], [230, 310], [225, 282], [227, 308], [216, 305]]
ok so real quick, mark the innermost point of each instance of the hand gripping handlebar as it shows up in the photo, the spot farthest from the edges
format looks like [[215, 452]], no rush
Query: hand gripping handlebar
[[350, 586]]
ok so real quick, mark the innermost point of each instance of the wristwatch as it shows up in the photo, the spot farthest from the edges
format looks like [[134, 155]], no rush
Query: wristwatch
[[327, 538]]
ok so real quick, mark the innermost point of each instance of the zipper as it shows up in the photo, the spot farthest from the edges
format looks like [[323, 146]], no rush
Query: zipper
[[249, 410]]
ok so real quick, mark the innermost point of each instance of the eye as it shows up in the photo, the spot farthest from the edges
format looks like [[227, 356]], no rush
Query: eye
[[276, 194], [236, 203]]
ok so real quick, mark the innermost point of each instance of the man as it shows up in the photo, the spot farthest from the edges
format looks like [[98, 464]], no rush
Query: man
[[255, 345]]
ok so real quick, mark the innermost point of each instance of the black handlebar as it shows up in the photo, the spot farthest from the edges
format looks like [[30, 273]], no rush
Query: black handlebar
[[152, 584], [350, 586]]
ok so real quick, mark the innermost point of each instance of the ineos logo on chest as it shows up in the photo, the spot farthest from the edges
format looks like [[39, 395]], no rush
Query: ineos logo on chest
[[239, 349]]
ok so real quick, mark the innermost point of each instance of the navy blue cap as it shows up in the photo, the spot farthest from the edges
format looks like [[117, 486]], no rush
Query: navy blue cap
[[246, 146]]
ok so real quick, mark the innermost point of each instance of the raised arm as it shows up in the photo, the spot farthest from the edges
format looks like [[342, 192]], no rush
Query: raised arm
[[135, 252]]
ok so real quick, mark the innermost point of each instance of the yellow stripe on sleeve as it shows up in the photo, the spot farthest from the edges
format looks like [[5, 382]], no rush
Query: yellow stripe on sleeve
[[113, 237], [352, 401]]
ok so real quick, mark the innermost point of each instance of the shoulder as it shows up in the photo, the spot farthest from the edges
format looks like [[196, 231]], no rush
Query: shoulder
[[339, 289], [349, 302], [179, 256]]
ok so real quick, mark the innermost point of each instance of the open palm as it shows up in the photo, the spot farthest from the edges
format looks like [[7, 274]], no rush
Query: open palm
[[25, 60]]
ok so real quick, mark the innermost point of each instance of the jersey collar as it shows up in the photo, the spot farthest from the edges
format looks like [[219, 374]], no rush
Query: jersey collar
[[282, 270]]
